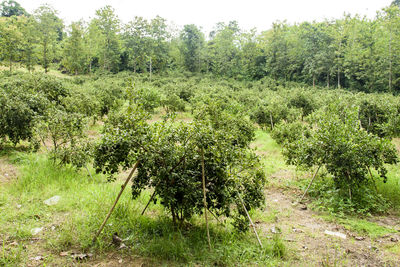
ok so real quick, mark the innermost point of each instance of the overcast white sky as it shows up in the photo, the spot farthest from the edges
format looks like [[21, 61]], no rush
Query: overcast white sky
[[206, 13]]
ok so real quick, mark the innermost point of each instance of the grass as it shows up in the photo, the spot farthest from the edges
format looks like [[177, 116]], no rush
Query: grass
[[360, 226], [71, 224], [391, 189]]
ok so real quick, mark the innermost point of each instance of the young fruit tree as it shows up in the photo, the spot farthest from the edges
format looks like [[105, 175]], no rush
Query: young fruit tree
[[335, 140], [175, 157]]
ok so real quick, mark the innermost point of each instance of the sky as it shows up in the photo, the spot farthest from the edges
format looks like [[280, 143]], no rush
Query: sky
[[206, 13]]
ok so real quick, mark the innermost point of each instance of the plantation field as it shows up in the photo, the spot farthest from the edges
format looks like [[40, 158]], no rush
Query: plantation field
[[29, 179], [291, 233]]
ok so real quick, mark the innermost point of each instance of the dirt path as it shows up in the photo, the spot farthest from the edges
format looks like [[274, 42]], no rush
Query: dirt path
[[8, 172], [305, 235]]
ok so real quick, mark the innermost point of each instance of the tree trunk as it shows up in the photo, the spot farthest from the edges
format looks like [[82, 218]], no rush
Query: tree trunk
[[327, 80], [313, 80], [45, 58], [150, 69], [390, 62]]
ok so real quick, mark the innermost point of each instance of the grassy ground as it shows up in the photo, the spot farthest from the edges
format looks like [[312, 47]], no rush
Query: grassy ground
[[69, 226]]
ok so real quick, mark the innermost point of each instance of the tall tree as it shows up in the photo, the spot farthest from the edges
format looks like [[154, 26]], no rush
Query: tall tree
[[10, 8], [136, 38], [74, 52], [108, 25], [10, 39], [192, 44], [28, 27], [49, 28], [223, 48]]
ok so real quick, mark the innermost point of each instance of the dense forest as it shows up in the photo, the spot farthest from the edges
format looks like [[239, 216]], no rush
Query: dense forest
[[351, 52]]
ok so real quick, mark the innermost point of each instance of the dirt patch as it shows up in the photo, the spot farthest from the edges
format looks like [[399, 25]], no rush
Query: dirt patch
[[305, 235], [396, 142], [8, 172]]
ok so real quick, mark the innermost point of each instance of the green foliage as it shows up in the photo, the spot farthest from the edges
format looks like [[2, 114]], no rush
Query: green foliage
[[49, 28], [9, 8], [288, 133], [365, 200], [19, 111], [336, 141], [192, 43], [63, 129], [170, 157]]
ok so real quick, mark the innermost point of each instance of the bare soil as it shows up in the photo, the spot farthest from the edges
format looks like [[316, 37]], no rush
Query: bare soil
[[7, 171], [304, 233]]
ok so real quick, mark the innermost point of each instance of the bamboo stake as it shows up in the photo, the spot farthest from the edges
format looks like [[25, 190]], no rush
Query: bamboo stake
[[205, 197], [89, 172], [214, 215], [251, 222], [116, 201], [308, 187], [151, 198]]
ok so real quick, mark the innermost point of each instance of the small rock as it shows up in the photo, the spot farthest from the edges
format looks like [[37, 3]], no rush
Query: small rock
[[359, 238], [52, 201], [122, 246], [116, 239], [19, 206], [303, 207], [120, 261], [275, 230], [394, 239], [37, 230], [81, 256], [37, 258], [53, 228], [335, 234]]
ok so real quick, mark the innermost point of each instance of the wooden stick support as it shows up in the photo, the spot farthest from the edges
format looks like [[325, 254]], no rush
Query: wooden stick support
[[87, 169], [151, 198], [116, 201], [308, 187], [251, 222], [205, 197]]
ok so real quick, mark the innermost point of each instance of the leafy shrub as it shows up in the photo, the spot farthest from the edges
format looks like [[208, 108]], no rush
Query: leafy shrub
[[19, 111], [347, 151], [304, 101], [290, 132], [373, 115], [170, 160], [271, 112], [62, 128], [365, 200]]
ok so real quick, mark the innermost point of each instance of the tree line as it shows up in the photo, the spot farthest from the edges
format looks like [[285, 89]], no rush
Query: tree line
[[352, 52]]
